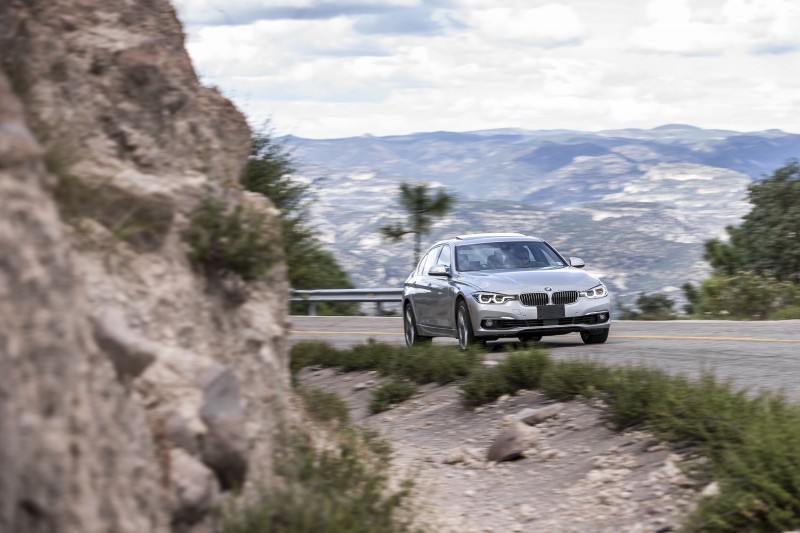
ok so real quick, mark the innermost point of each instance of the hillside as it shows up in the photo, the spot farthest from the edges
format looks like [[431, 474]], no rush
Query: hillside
[[635, 204]]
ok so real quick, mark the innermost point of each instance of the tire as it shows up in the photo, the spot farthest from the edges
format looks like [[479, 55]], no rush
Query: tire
[[525, 339], [410, 333], [599, 337], [466, 336]]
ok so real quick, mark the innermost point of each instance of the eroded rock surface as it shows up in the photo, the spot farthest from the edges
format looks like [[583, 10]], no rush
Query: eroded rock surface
[[133, 393]]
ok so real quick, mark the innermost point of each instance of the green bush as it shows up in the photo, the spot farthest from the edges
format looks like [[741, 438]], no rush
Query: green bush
[[308, 353], [743, 296], [649, 307], [338, 489], [389, 393], [484, 385], [523, 370], [324, 407], [432, 364], [758, 473], [565, 380], [424, 364], [789, 312], [635, 393], [519, 370], [229, 240]]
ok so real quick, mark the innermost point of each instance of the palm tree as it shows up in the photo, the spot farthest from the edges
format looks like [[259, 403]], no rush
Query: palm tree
[[422, 207]]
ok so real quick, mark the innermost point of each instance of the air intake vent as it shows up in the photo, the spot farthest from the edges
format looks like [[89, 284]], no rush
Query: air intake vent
[[533, 299], [565, 297]]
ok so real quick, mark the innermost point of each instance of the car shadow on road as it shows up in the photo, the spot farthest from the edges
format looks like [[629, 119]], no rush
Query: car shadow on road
[[552, 343]]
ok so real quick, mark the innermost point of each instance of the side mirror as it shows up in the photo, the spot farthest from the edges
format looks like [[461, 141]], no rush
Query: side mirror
[[439, 270], [576, 262]]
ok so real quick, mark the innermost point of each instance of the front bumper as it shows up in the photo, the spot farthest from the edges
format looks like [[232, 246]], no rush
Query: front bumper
[[513, 319]]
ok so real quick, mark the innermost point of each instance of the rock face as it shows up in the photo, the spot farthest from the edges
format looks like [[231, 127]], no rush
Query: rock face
[[133, 395]]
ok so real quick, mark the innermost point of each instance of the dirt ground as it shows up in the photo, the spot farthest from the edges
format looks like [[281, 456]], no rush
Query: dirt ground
[[579, 476]]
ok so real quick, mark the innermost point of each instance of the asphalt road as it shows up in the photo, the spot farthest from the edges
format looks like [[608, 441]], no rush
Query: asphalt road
[[755, 355]]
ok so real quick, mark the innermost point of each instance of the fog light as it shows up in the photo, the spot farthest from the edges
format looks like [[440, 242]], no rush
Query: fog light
[[603, 317], [489, 323]]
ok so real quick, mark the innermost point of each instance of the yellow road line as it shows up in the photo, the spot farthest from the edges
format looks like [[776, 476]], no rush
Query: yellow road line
[[316, 332], [664, 337], [743, 339]]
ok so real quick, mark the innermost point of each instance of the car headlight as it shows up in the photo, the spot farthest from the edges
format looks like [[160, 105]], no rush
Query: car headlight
[[492, 298], [596, 292]]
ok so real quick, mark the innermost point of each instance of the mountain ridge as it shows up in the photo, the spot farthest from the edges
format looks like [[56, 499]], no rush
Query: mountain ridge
[[621, 197]]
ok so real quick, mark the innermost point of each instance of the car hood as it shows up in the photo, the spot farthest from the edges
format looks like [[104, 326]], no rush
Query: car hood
[[522, 281]]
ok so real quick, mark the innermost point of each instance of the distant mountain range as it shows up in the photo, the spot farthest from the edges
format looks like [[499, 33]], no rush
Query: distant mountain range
[[635, 204]]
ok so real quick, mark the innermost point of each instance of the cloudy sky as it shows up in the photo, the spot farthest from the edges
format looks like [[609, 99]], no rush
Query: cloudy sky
[[335, 68]]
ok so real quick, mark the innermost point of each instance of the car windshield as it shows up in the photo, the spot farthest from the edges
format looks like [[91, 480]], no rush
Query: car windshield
[[506, 256]]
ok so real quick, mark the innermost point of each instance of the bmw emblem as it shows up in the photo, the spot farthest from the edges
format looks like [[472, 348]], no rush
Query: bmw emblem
[[548, 288]]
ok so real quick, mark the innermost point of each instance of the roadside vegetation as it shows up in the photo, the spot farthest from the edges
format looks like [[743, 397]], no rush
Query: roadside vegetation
[[390, 393], [649, 307], [343, 486], [228, 240], [750, 440], [271, 171], [428, 364], [757, 270]]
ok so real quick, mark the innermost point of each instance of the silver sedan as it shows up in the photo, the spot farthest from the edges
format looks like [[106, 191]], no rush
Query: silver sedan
[[485, 287]]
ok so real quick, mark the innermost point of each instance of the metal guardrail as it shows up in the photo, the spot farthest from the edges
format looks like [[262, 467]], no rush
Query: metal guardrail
[[378, 296]]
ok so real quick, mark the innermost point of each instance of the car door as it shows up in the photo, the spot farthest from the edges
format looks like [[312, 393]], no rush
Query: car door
[[442, 293], [423, 301]]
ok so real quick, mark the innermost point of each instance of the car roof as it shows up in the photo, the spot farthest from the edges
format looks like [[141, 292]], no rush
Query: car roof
[[478, 238], [472, 236]]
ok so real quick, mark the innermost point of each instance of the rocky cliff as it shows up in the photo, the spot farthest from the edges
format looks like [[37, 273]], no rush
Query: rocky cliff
[[135, 395]]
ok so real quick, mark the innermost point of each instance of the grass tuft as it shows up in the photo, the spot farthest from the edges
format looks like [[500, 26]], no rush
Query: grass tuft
[[519, 370], [344, 488], [391, 392], [325, 407], [341, 486], [425, 364], [569, 379], [229, 240]]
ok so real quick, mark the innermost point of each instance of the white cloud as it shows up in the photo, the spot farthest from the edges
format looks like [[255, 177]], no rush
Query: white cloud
[[506, 63], [674, 29], [547, 26], [699, 28]]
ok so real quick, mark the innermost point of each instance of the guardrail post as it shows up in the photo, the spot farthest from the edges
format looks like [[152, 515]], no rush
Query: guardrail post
[[378, 308], [312, 309]]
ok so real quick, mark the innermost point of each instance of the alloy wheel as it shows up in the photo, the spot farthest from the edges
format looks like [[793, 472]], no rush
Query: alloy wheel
[[410, 329], [463, 332]]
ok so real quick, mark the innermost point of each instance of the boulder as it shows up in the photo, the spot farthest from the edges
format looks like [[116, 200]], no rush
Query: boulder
[[512, 442]]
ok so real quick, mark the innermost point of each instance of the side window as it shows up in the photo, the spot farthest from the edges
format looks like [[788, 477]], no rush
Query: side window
[[444, 257], [430, 260], [421, 265]]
